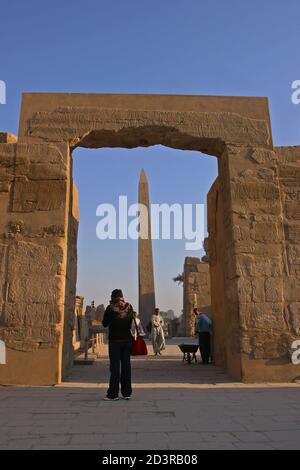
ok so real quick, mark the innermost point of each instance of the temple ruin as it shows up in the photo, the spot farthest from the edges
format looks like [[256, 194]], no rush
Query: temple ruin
[[254, 225], [196, 292]]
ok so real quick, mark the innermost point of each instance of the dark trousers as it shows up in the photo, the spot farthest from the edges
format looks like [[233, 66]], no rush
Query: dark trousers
[[120, 368], [204, 344]]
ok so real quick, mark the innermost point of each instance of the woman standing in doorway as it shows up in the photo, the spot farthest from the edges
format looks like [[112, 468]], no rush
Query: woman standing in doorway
[[157, 333], [118, 318]]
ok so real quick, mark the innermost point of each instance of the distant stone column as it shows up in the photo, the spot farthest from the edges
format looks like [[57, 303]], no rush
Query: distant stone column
[[196, 292], [145, 257]]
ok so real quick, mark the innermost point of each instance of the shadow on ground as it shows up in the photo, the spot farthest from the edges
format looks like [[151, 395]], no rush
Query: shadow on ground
[[166, 369]]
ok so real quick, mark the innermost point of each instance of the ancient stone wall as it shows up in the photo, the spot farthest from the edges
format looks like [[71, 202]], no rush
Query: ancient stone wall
[[216, 250], [196, 291], [259, 264], [71, 280], [289, 177], [34, 200], [253, 228]]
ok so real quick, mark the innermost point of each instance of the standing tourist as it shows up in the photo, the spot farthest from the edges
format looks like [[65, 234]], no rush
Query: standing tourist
[[118, 318], [204, 329], [157, 333]]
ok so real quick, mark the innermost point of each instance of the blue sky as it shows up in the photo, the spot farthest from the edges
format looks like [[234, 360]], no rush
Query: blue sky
[[137, 46]]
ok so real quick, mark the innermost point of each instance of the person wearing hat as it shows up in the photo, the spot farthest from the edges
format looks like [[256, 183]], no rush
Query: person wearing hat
[[118, 317]]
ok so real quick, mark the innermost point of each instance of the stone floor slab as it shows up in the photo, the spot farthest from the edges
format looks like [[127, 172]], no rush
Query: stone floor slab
[[175, 406]]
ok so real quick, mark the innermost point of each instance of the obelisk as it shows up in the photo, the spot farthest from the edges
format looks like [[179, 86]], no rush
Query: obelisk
[[145, 256]]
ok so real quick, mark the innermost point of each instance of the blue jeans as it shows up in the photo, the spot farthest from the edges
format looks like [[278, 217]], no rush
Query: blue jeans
[[120, 368]]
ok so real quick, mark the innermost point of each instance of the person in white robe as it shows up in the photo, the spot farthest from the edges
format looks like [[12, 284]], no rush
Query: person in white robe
[[157, 333]]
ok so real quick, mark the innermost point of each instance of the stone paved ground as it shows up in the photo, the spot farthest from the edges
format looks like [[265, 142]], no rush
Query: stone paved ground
[[175, 406]]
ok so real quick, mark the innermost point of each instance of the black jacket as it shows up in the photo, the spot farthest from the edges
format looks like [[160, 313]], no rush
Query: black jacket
[[119, 326]]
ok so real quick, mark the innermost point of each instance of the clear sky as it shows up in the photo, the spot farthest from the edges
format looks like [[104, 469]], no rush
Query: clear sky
[[209, 47]]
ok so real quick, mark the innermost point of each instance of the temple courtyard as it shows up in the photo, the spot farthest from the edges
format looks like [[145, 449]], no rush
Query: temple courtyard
[[175, 406]]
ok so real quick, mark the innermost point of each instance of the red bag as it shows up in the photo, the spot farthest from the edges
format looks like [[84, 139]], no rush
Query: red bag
[[139, 347]]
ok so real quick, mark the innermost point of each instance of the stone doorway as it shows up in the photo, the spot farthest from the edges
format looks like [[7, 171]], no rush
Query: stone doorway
[[253, 225]]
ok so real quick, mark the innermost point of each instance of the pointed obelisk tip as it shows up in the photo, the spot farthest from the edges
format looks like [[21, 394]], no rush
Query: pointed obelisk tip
[[143, 177]]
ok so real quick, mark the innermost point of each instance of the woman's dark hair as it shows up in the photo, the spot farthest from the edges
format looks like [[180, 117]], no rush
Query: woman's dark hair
[[116, 294]]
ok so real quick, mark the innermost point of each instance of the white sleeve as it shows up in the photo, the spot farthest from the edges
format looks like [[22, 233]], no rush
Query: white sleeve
[[141, 329]]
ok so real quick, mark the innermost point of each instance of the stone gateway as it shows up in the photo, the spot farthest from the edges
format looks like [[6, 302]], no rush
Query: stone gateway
[[253, 222]]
